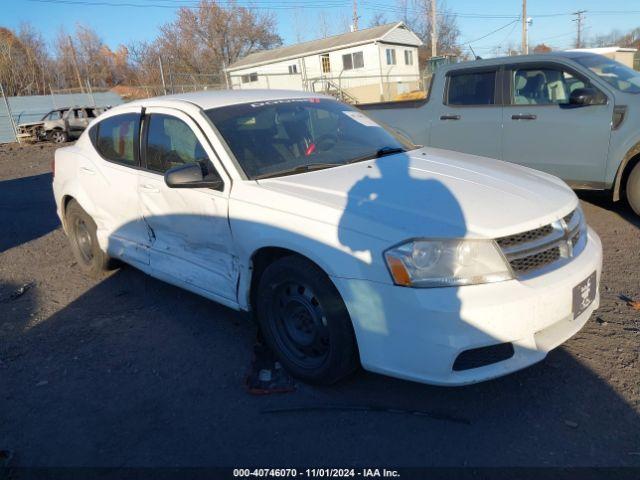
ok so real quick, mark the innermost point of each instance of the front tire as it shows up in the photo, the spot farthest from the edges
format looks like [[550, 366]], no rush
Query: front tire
[[81, 230], [58, 136], [305, 322], [633, 189]]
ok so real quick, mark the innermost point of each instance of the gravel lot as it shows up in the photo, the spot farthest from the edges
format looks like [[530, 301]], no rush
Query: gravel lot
[[129, 371]]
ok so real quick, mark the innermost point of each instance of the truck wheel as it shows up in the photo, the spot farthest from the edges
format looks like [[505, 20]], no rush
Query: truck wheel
[[305, 322], [633, 188], [81, 230], [58, 136]]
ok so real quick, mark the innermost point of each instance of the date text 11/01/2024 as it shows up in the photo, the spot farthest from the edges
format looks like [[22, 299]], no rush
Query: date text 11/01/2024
[[316, 472]]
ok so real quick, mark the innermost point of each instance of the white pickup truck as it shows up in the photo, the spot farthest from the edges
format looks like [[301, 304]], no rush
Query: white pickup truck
[[572, 114], [348, 244]]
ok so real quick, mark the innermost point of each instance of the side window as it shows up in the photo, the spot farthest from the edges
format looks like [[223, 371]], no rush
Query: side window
[[117, 138], [543, 86], [171, 142], [474, 88]]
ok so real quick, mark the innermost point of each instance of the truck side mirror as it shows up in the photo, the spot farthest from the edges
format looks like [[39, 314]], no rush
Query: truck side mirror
[[582, 97]]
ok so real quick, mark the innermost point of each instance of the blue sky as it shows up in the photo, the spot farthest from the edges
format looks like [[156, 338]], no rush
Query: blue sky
[[123, 24]]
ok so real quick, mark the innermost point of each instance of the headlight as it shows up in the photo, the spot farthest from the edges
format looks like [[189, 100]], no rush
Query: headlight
[[447, 262]]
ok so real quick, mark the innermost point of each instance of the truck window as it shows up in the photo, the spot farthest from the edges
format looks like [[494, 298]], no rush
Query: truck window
[[543, 86], [473, 88]]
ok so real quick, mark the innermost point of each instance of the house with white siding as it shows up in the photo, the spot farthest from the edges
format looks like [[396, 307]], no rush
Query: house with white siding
[[369, 65]]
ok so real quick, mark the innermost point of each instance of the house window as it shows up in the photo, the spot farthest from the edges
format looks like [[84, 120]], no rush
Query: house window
[[249, 77], [391, 56], [408, 57], [326, 65], [293, 68], [352, 60]]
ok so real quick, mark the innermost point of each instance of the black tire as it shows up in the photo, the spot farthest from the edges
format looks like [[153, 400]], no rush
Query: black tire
[[305, 322], [58, 136], [81, 230], [632, 189]]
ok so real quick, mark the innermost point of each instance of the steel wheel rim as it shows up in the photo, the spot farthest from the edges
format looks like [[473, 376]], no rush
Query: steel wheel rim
[[83, 239], [58, 137], [299, 324]]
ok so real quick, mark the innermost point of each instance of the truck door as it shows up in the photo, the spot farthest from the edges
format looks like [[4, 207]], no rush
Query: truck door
[[470, 115], [542, 130]]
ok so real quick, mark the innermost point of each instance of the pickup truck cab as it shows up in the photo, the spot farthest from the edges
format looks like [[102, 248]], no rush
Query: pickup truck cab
[[572, 114], [348, 244]]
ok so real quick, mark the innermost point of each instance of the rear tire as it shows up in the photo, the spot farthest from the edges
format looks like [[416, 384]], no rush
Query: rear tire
[[81, 230], [632, 189], [305, 322]]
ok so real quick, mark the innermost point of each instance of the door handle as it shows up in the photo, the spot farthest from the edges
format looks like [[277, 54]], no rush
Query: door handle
[[450, 117], [150, 188], [87, 170], [524, 116]]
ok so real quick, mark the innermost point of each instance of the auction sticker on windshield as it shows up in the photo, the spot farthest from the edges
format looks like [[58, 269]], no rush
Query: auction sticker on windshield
[[360, 118]]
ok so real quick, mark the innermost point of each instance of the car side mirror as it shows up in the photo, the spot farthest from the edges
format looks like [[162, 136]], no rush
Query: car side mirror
[[190, 176], [582, 97]]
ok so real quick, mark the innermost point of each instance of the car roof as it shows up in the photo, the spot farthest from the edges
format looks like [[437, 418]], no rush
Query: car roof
[[221, 98]]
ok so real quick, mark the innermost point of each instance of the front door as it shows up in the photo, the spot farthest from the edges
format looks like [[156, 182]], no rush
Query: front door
[[543, 131], [470, 115], [191, 238]]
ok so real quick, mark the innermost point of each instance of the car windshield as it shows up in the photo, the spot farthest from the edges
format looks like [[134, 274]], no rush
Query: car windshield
[[281, 137], [614, 73], [54, 115]]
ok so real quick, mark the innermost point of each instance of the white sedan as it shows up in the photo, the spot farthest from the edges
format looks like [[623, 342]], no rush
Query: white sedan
[[349, 245]]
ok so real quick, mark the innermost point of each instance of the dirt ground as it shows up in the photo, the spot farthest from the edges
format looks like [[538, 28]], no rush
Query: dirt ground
[[129, 371]]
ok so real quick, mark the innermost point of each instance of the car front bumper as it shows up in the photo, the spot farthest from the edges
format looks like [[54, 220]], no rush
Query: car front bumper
[[417, 334]]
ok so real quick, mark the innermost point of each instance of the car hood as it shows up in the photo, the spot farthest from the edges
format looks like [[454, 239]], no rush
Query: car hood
[[30, 124], [427, 192]]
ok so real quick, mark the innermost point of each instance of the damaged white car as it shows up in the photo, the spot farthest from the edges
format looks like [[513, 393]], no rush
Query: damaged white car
[[350, 245]]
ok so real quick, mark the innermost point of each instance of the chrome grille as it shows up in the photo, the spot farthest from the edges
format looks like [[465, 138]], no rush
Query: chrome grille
[[546, 246]]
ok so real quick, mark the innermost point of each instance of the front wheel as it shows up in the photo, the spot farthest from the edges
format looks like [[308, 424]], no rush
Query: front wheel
[[305, 322], [58, 136], [633, 189]]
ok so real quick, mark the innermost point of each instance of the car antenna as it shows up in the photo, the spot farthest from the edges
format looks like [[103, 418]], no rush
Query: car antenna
[[474, 53]]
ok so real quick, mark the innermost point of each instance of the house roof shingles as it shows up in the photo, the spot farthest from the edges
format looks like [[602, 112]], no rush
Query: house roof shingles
[[314, 46]]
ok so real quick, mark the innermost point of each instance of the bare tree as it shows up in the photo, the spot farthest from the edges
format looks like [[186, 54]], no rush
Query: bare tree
[[378, 19], [418, 18], [206, 39]]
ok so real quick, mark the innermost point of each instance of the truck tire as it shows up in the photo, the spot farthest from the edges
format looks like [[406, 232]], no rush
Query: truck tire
[[57, 136], [632, 188], [305, 322], [81, 230]]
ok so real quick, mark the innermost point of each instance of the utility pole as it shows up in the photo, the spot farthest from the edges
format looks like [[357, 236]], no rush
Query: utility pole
[[525, 26], [579, 19], [75, 64], [434, 33], [355, 15], [164, 85]]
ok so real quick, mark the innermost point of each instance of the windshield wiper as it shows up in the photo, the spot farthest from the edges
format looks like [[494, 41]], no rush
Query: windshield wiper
[[381, 152], [299, 169]]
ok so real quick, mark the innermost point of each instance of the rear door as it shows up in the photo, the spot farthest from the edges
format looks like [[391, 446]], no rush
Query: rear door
[[543, 131], [191, 237], [110, 179], [469, 117]]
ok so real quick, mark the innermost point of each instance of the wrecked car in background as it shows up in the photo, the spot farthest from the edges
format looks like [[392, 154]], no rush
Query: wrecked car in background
[[59, 125]]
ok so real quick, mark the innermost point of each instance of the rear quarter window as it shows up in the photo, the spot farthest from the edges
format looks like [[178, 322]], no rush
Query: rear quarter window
[[472, 88], [116, 138]]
